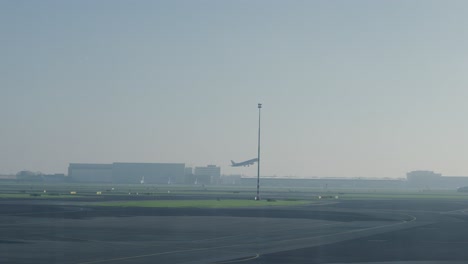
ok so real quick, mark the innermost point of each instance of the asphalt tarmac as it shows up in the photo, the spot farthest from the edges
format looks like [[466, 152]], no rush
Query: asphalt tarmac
[[334, 232]]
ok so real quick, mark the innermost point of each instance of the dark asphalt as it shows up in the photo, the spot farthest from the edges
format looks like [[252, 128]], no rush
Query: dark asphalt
[[343, 232], [444, 239], [435, 242]]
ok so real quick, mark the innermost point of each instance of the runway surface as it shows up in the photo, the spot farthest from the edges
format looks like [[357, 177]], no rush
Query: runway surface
[[341, 232]]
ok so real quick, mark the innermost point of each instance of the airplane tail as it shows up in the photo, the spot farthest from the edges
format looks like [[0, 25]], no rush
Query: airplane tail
[[232, 162]]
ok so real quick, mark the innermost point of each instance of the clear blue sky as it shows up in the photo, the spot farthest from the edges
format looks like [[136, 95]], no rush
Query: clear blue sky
[[349, 88]]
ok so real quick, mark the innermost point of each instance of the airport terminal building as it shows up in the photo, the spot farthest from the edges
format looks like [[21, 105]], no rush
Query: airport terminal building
[[129, 173]]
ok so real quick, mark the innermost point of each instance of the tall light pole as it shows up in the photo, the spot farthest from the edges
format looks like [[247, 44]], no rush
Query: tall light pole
[[258, 157]]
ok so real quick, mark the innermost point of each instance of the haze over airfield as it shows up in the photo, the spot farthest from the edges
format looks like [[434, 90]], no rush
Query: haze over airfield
[[349, 88]]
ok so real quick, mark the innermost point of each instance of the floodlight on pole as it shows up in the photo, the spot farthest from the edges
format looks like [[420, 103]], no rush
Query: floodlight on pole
[[258, 156]]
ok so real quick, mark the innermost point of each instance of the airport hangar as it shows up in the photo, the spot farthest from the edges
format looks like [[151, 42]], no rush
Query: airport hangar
[[155, 173]]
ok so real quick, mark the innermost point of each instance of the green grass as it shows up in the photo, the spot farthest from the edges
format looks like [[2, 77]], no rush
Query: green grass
[[203, 203]]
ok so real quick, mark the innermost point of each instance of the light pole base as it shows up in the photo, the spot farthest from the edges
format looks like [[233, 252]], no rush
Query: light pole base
[[257, 198]]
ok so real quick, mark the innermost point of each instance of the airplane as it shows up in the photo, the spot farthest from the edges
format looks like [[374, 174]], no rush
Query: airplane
[[244, 163]]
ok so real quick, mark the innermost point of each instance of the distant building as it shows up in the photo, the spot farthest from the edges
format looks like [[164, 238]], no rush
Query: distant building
[[57, 177], [153, 173], [431, 180], [230, 179], [326, 183], [132, 173], [8, 177], [93, 173], [189, 177], [452, 182], [423, 179], [29, 176], [207, 175], [422, 175]]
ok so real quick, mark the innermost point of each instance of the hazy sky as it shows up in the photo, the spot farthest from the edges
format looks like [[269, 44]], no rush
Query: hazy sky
[[349, 88]]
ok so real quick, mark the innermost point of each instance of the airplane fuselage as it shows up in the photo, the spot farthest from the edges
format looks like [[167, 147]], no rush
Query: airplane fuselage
[[246, 163]]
